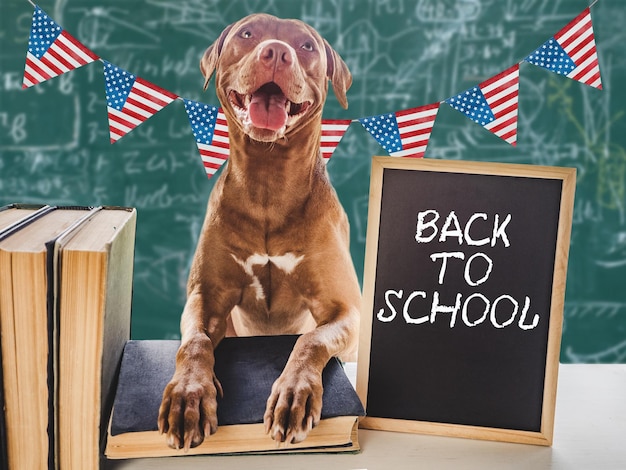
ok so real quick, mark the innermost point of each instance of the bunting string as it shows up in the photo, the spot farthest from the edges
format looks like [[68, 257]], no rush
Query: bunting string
[[492, 104]]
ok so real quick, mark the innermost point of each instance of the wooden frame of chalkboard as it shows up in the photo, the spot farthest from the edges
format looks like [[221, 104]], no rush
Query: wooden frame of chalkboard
[[463, 295]]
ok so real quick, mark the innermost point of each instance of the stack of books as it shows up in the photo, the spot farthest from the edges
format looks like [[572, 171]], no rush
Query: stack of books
[[75, 387], [65, 302]]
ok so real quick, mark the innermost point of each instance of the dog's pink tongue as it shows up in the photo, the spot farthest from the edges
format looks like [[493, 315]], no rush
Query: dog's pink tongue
[[267, 110]]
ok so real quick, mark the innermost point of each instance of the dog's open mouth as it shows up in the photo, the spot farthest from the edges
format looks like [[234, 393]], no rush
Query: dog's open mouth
[[267, 107]]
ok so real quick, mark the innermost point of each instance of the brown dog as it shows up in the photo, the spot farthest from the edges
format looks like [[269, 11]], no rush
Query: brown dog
[[273, 254]]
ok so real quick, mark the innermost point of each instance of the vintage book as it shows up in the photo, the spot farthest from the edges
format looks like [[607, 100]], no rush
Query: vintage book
[[95, 269], [11, 217], [24, 323], [246, 367]]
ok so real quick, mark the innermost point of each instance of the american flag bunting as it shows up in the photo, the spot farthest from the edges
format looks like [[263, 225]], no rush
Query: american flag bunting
[[209, 127], [131, 100], [332, 132], [571, 52], [52, 51], [493, 104], [403, 133]]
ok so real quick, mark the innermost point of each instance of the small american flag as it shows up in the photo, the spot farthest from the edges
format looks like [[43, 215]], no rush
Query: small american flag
[[403, 133], [131, 100], [52, 51], [493, 104], [571, 52], [209, 127], [332, 132]]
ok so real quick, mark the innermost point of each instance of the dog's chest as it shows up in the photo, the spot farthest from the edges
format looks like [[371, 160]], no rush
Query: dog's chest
[[269, 276]]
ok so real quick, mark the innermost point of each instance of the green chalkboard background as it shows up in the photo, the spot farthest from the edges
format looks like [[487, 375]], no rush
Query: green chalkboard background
[[54, 143]]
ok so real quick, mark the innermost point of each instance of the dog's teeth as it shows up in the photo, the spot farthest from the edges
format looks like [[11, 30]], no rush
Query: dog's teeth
[[294, 108]]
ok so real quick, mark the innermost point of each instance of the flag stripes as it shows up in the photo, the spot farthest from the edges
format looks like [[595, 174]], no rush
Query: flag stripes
[[65, 54], [415, 126], [131, 100], [332, 132], [502, 95], [403, 133], [209, 127], [144, 100], [493, 104], [578, 42], [215, 154], [52, 51], [571, 52]]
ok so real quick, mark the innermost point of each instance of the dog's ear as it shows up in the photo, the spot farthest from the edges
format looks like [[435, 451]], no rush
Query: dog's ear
[[209, 59], [338, 74]]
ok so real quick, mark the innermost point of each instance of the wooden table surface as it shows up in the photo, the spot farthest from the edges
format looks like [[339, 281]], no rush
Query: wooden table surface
[[590, 433]]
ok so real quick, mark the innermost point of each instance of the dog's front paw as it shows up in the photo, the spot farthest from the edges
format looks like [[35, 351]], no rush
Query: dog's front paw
[[294, 406], [188, 412]]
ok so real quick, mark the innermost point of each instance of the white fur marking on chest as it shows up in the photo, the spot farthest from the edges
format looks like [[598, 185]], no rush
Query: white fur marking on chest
[[286, 263]]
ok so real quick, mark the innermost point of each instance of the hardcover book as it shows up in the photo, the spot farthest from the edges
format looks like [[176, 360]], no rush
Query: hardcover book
[[246, 367]]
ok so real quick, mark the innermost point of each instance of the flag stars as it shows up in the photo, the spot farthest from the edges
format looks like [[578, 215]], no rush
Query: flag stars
[[118, 84], [43, 33], [384, 128], [202, 118], [553, 57], [476, 107]]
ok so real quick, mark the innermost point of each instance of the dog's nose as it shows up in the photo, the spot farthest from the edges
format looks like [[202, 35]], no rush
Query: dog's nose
[[276, 55]]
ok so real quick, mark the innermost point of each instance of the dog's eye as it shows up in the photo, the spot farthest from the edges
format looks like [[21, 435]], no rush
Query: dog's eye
[[307, 46], [246, 34]]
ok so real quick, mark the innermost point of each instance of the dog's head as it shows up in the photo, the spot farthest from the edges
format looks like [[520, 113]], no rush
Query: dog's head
[[272, 75]]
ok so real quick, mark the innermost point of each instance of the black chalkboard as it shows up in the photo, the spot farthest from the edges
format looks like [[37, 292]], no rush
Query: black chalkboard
[[465, 281]]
